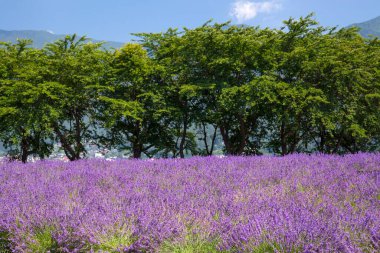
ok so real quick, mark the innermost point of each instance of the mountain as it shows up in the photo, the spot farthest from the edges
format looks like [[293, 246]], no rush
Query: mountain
[[370, 27], [40, 38]]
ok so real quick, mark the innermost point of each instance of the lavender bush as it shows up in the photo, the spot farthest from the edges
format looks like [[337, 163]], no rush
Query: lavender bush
[[297, 203]]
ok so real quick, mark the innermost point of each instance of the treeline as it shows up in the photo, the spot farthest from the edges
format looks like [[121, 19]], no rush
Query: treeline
[[302, 88]]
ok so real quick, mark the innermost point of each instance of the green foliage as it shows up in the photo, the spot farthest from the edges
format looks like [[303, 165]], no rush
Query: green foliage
[[78, 68], [195, 243], [114, 241], [23, 109], [42, 240], [134, 109], [265, 247], [4, 242], [301, 88], [191, 243]]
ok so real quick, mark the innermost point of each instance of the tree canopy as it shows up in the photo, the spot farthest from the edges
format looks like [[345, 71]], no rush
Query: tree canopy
[[220, 87]]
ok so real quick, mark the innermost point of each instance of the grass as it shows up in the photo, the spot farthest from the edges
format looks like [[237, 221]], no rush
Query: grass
[[4, 242], [115, 240], [192, 243], [42, 240]]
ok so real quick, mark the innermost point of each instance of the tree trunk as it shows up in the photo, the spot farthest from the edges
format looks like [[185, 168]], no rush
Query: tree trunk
[[183, 136], [24, 150], [209, 150], [226, 139], [69, 151], [322, 142], [78, 137], [213, 140], [284, 148], [137, 150], [136, 144], [243, 136], [205, 138]]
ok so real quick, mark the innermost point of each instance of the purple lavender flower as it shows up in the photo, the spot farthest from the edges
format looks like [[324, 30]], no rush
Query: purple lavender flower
[[298, 203]]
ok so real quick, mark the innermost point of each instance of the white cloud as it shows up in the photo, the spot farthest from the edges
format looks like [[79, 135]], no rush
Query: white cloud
[[244, 10]]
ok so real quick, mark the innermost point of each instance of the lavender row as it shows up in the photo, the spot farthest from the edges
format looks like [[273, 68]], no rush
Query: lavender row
[[297, 203]]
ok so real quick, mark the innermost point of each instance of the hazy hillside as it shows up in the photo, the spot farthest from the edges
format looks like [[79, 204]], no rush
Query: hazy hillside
[[40, 38], [370, 27]]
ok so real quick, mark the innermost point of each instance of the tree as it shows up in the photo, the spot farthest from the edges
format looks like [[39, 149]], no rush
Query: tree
[[25, 102], [167, 50], [293, 103], [134, 106], [344, 68], [205, 65], [80, 68]]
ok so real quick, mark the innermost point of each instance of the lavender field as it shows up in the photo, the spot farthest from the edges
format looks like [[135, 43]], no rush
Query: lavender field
[[297, 203]]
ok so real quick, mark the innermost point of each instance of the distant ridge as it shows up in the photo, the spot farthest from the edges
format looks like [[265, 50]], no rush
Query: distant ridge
[[40, 38], [370, 27]]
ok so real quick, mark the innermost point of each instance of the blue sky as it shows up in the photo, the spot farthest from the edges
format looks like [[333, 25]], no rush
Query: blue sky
[[116, 19]]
